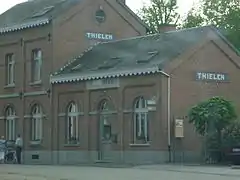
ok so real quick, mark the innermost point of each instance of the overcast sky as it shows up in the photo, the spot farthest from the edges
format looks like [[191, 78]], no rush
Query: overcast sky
[[184, 5]]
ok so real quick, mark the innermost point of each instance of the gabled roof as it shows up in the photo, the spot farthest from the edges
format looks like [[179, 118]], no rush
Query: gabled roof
[[134, 56], [32, 13]]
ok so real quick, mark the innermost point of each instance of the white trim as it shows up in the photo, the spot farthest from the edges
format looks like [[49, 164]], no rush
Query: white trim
[[92, 76], [22, 26], [140, 145], [71, 114], [10, 71]]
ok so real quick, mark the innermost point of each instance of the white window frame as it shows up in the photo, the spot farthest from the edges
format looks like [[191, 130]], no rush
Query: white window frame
[[10, 124], [37, 65], [141, 122], [36, 123], [10, 62], [72, 136]]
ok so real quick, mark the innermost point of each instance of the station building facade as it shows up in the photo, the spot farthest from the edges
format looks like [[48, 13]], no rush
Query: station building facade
[[37, 37], [121, 101]]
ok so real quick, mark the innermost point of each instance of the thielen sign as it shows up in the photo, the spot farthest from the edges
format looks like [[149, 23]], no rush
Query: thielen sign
[[211, 76], [100, 36]]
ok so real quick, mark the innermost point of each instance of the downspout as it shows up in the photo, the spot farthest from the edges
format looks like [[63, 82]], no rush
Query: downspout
[[168, 113], [23, 98]]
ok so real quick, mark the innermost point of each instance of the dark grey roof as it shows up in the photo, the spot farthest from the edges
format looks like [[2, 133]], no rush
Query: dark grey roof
[[132, 56], [33, 13]]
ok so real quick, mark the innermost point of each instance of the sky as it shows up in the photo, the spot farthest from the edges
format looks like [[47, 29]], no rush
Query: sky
[[184, 5]]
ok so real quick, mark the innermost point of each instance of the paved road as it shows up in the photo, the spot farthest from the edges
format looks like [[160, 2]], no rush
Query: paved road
[[154, 172]]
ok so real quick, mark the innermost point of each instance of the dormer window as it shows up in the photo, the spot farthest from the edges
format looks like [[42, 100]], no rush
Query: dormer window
[[42, 12]]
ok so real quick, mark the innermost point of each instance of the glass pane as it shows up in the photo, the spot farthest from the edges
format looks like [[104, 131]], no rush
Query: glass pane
[[11, 74], [33, 129], [36, 70], [107, 132], [40, 128], [104, 106], [137, 104], [137, 125]]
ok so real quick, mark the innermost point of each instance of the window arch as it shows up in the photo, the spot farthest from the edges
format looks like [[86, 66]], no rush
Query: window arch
[[141, 123], [36, 123], [72, 134], [10, 114]]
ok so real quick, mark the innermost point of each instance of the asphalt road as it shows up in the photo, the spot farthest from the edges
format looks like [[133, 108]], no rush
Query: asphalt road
[[154, 172]]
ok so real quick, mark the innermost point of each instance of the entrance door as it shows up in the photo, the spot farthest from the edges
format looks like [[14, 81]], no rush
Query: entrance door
[[105, 133]]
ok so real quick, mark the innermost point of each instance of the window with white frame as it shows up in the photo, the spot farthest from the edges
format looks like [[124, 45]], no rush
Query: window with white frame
[[141, 124], [36, 123], [72, 136], [10, 68], [10, 123], [36, 65]]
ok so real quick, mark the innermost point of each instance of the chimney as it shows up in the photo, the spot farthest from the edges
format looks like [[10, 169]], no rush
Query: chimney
[[167, 27]]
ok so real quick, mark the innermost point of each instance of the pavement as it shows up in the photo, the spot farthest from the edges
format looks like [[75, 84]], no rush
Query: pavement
[[153, 172]]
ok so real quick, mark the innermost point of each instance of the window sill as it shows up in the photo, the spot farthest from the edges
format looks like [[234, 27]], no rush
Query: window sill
[[140, 145], [35, 143], [71, 145], [9, 86], [36, 83]]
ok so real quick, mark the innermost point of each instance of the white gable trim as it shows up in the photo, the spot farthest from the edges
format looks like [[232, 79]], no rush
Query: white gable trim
[[65, 78], [22, 26]]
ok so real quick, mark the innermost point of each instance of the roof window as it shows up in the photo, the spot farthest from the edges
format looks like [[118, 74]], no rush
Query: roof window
[[42, 12], [147, 58], [110, 63]]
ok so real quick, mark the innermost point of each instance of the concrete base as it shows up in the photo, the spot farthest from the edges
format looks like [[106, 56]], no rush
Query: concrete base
[[91, 157]]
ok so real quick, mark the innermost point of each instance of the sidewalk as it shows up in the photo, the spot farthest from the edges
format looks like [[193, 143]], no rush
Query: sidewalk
[[153, 172], [198, 169]]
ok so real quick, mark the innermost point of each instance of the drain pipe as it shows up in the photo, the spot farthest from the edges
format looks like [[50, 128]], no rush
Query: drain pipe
[[168, 113]]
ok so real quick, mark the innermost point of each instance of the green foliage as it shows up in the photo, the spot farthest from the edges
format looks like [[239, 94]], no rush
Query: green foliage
[[212, 116], [159, 12], [231, 135], [224, 14], [194, 19]]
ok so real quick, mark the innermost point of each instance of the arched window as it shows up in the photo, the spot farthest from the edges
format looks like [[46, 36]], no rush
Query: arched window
[[10, 123], [141, 124], [36, 123], [72, 136]]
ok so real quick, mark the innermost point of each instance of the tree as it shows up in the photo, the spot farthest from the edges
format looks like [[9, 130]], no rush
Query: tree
[[224, 14], [159, 12], [211, 118], [212, 115], [194, 19], [231, 135]]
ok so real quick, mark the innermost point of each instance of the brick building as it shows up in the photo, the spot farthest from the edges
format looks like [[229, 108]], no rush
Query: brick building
[[36, 38], [124, 101]]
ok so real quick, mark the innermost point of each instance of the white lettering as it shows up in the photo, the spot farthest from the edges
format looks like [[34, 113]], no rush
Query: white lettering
[[110, 37], [199, 76], [215, 76], [210, 76], [99, 36], [88, 35], [204, 76], [222, 77]]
